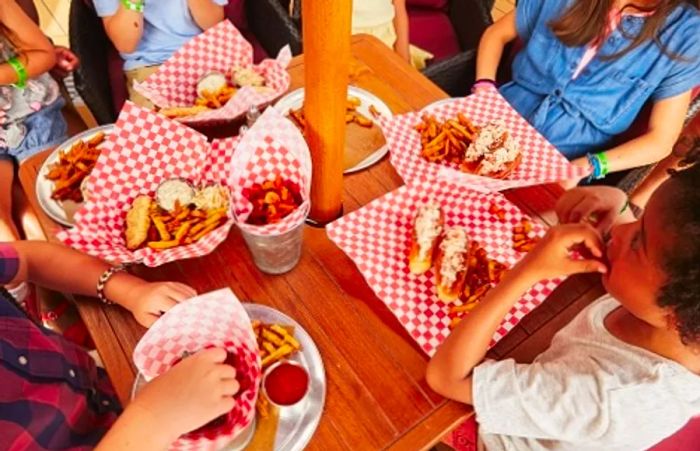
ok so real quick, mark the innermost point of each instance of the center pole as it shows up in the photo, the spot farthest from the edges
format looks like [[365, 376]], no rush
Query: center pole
[[326, 37]]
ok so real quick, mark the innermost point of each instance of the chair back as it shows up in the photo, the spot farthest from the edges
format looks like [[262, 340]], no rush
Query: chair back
[[100, 65]]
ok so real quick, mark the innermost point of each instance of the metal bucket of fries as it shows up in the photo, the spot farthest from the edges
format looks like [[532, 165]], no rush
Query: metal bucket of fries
[[272, 170], [275, 254]]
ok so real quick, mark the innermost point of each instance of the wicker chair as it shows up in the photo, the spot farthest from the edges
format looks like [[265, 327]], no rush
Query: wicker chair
[[100, 80], [454, 73]]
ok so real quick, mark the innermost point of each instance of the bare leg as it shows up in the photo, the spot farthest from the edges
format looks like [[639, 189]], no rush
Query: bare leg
[[8, 231]]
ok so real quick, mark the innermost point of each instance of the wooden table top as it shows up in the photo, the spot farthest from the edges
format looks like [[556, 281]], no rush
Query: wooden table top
[[377, 396]]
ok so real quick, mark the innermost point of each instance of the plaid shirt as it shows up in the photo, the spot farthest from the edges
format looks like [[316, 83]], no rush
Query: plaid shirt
[[52, 395]]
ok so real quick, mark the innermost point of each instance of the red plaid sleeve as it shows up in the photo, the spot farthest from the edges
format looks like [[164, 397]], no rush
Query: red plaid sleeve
[[9, 263]]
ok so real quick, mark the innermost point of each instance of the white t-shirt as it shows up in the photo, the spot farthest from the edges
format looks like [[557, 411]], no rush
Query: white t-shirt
[[588, 391], [371, 13]]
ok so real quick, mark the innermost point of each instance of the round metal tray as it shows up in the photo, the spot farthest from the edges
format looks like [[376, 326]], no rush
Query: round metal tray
[[295, 99], [61, 212], [298, 423]]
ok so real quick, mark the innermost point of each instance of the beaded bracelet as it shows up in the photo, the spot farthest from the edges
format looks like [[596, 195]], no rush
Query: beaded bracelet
[[104, 278], [20, 70], [133, 5]]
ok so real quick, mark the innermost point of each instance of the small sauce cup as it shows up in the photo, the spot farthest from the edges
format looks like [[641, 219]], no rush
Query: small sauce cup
[[286, 383]]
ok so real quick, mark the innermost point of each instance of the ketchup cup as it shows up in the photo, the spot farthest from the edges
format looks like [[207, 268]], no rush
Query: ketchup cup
[[286, 383]]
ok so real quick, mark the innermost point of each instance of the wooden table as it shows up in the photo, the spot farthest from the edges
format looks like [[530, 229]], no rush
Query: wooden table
[[377, 395]]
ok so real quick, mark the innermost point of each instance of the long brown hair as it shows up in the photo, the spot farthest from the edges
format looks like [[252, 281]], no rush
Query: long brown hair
[[586, 21]]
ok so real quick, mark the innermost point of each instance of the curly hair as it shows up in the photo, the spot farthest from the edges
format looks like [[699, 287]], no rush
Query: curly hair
[[681, 263]]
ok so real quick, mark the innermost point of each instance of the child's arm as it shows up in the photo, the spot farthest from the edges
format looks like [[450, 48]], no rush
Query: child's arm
[[34, 50], [206, 13], [449, 371], [690, 138], [600, 206], [124, 28], [402, 45], [66, 270], [665, 125], [29, 9], [191, 393], [491, 46]]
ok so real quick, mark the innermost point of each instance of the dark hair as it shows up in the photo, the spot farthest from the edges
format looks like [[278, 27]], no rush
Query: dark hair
[[586, 21], [681, 264]]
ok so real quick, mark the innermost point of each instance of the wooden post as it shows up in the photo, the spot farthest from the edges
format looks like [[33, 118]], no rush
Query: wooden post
[[326, 36]]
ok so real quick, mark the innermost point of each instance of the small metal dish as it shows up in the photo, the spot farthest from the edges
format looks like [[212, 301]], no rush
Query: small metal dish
[[271, 368]]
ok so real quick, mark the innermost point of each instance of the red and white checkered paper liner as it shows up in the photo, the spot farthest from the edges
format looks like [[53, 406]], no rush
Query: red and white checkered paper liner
[[219, 49], [144, 150], [377, 237], [273, 146], [215, 319], [541, 162]]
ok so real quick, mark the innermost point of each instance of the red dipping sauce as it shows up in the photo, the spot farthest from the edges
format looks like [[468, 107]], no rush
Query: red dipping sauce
[[286, 384]]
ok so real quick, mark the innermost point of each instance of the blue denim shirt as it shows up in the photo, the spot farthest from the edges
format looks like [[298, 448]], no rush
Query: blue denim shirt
[[583, 115]]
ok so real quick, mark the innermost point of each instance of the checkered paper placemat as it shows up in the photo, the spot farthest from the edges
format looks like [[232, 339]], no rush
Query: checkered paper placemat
[[272, 147], [219, 49], [215, 319], [377, 238], [144, 150], [541, 162]]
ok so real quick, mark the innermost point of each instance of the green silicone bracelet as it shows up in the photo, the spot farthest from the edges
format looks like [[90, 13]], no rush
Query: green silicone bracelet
[[625, 207], [603, 163], [21, 71], [133, 6]]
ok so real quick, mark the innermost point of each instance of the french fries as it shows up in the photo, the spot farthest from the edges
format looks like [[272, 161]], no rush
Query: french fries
[[445, 141], [183, 225], [522, 241], [498, 211], [206, 102], [272, 200], [351, 114], [482, 274], [275, 342], [216, 99], [72, 167]]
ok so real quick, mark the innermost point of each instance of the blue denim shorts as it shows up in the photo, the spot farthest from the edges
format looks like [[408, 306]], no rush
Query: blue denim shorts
[[45, 128]]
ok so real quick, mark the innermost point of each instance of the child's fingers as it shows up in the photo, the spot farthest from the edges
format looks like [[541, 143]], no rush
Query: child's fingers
[[182, 291], [584, 266], [566, 205], [225, 405], [216, 355], [226, 371], [230, 387]]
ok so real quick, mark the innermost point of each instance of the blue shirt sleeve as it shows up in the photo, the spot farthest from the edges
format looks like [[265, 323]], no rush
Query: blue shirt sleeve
[[526, 17], [9, 263], [106, 8], [685, 68]]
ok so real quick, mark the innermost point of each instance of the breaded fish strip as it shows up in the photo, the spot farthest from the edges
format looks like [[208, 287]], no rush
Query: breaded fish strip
[[137, 222]]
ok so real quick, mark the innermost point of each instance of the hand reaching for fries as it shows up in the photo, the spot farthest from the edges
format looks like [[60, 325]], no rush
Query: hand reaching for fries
[[148, 301]]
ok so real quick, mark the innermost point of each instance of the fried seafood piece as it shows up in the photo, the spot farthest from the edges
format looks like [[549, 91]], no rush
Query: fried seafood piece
[[138, 221]]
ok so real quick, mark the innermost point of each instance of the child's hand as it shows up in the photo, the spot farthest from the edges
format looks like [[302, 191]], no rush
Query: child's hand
[[552, 257], [189, 395], [150, 300], [66, 62], [595, 205]]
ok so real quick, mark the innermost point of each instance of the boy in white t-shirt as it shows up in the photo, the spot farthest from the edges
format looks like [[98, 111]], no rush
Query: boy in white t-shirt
[[624, 374]]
